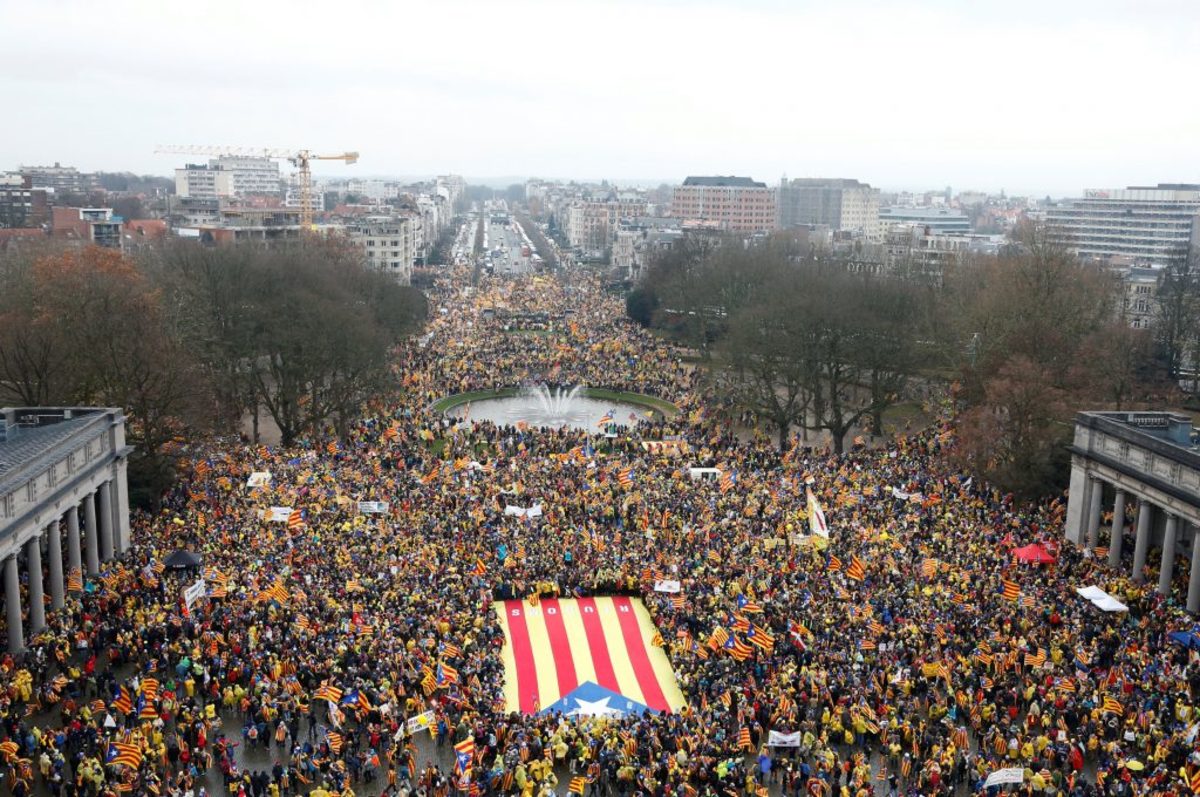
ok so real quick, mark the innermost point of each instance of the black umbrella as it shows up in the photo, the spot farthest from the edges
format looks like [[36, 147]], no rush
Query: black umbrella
[[182, 560]]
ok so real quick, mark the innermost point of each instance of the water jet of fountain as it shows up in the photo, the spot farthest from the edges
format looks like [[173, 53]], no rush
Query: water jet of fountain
[[556, 407]]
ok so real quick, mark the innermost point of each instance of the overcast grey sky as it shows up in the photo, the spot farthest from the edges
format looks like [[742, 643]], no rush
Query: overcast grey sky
[[1028, 95]]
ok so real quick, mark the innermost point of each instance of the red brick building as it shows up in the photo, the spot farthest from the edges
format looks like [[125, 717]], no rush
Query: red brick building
[[735, 204]]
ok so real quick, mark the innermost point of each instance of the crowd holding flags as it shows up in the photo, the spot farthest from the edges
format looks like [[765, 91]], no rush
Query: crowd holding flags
[[748, 606], [935, 606], [625, 478], [124, 754], [446, 674], [856, 571], [464, 758], [123, 700], [328, 692]]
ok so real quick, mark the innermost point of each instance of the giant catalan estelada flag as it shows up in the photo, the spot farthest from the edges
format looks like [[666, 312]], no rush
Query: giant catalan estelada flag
[[584, 656]]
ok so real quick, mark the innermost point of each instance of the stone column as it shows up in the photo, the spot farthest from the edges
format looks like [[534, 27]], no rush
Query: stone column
[[1093, 516], [1166, 569], [74, 559], [1076, 504], [121, 535], [106, 525], [1118, 530], [12, 601], [91, 533], [1193, 598], [37, 598], [1141, 545], [55, 565]]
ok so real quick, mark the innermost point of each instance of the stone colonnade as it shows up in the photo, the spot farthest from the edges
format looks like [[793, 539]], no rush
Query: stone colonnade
[[96, 516], [1153, 523]]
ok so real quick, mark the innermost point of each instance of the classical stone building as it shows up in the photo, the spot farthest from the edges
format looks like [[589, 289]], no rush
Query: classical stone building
[[1147, 460], [62, 469]]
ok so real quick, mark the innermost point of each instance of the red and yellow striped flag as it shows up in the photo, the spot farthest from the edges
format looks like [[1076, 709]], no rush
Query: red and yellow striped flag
[[565, 644]]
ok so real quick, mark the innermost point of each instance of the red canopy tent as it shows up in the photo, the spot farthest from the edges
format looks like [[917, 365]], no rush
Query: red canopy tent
[[1035, 553]]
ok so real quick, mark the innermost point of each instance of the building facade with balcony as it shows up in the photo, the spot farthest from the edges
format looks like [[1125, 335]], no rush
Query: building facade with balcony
[[90, 225], [389, 244], [592, 224]]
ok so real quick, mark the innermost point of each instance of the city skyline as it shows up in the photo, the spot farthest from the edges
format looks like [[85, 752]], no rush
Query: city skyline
[[1032, 98]]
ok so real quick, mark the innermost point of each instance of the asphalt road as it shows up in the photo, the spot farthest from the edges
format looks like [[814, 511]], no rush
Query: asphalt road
[[509, 260]]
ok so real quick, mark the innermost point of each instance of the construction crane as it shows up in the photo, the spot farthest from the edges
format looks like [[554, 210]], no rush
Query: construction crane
[[298, 158]]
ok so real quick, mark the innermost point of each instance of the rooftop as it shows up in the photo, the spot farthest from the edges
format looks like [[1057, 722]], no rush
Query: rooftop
[[724, 182], [30, 437], [923, 213], [1167, 187], [1168, 433], [825, 182], [26, 445]]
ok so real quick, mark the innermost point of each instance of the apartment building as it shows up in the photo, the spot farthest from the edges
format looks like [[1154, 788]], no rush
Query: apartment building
[[91, 225], [842, 205], [1140, 304], [937, 219], [454, 187], [59, 179], [389, 243], [228, 176], [639, 240], [1139, 225], [920, 251], [735, 204], [226, 224], [21, 205], [591, 224]]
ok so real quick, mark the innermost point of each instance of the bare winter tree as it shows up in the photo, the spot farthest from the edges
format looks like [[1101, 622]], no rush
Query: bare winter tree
[[1177, 317], [769, 360]]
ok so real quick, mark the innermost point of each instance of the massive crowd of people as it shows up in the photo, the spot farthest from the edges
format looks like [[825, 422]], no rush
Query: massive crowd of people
[[352, 652]]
